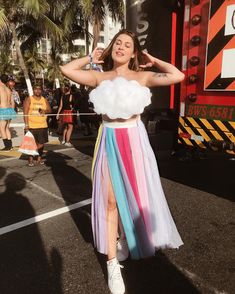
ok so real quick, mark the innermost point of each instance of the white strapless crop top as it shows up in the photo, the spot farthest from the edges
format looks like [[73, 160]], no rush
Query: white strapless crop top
[[120, 98]]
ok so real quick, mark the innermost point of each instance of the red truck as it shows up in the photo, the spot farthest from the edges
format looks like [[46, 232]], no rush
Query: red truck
[[199, 37]]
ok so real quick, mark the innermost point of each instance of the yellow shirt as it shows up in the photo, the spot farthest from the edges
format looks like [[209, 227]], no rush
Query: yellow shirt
[[38, 121]]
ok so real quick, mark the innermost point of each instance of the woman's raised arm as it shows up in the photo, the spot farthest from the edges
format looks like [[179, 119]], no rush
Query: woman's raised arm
[[75, 72], [169, 73]]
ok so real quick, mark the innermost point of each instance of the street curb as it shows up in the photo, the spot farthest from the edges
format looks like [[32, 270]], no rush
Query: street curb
[[16, 154]]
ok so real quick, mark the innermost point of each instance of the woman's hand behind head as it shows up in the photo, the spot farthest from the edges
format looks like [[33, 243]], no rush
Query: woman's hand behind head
[[148, 60], [96, 54]]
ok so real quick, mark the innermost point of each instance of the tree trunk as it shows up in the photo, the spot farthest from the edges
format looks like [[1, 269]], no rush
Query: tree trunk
[[21, 59], [96, 33], [87, 36]]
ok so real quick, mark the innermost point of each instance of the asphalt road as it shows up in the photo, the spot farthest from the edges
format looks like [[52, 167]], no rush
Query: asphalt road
[[45, 249]]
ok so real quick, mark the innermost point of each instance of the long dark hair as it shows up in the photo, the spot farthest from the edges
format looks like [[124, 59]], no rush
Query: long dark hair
[[134, 62]]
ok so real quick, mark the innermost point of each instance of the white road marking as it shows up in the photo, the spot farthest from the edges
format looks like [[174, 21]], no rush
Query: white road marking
[[65, 149], [39, 188], [44, 190], [44, 216], [9, 159], [17, 125]]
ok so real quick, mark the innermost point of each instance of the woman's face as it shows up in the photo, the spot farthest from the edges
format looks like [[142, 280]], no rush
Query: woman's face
[[123, 49]]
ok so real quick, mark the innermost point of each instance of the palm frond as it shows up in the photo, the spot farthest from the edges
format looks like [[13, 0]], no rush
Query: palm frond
[[57, 8], [98, 11], [116, 9], [47, 25], [86, 7], [3, 22], [6, 62], [35, 7], [29, 34], [70, 16]]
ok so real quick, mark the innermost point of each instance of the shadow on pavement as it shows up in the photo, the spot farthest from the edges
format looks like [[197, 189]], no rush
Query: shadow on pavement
[[152, 275], [214, 175], [24, 266], [155, 275], [85, 145], [74, 187]]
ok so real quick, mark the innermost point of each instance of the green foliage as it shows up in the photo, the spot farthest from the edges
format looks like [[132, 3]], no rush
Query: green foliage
[[95, 11], [34, 62], [61, 21], [6, 62]]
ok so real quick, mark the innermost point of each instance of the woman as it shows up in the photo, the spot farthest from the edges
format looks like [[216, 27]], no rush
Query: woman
[[66, 106], [127, 192]]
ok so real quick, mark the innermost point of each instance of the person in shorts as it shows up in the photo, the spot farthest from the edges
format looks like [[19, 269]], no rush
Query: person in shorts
[[36, 107], [7, 113], [66, 106]]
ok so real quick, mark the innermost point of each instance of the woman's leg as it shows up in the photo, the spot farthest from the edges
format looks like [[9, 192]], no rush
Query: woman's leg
[[40, 152], [30, 160], [64, 133], [121, 229], [112, 223], [69, 132], [8, 132], [3, 124], [115, 280]]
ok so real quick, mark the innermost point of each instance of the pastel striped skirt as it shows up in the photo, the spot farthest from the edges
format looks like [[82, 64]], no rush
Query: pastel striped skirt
[[123, 157]]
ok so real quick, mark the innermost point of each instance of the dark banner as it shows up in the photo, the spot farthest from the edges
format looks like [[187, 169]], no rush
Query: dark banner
[[151, 20]]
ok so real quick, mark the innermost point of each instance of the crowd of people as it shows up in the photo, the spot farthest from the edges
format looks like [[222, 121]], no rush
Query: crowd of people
[[63, 104]]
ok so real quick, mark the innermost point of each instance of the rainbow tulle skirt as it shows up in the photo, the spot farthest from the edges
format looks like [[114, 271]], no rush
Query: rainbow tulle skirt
[[124, 159], [7, 113]]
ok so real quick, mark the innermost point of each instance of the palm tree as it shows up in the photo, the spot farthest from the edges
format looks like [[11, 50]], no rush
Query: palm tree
[[97, 12], [6, 61], [93, 11], [34, 62], [74, 24], [53, 68], [17, 12]]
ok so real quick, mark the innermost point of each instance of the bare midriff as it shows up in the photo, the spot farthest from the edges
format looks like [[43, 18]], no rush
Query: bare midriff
[[4, 103], [133, 118]]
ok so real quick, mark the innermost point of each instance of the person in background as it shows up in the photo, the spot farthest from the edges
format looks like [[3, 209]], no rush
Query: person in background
[[57, 94], [50, 97], [36, 107], [85, 107], [51, 119], [66, 107], [15, 95], [7, 112]]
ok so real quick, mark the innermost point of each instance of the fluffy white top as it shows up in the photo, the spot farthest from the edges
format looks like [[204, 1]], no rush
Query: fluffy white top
[[120, 98]]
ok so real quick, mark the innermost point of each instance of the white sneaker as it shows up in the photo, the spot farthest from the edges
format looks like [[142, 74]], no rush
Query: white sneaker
[[115, 281], [63, 142], [122, 250], [67, 144]]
